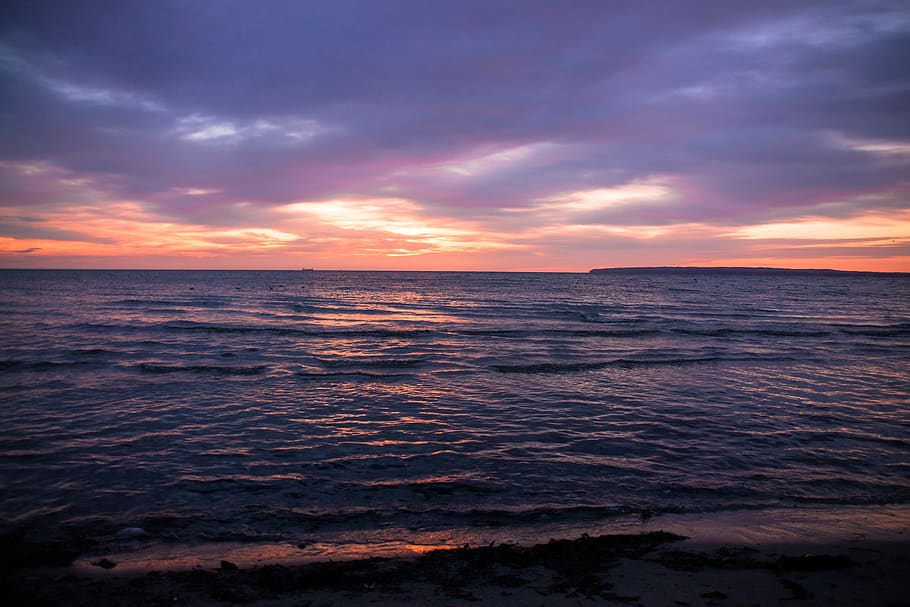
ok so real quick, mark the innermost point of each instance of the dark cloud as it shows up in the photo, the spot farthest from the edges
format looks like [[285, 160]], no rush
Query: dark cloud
[[34, 230]]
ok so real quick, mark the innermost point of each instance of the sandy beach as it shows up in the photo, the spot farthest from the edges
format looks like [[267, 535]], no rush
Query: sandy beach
[[791, 563]]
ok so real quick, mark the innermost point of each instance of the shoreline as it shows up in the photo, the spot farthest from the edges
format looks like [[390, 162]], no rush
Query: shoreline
[[747, 527], [826, 556]]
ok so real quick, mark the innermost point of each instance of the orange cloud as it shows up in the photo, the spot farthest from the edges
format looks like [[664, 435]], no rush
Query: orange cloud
[[870, 227], [391, 221], [397, 233]]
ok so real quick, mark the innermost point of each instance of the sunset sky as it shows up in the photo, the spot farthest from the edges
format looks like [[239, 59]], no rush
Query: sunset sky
[[489, 135]]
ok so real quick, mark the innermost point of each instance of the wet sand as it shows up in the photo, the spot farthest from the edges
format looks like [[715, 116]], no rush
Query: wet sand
[[653, 568], [580, 572]]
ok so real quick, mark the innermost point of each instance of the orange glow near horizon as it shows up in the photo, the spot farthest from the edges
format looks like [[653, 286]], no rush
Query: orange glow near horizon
[[396, 233], [875, 227]]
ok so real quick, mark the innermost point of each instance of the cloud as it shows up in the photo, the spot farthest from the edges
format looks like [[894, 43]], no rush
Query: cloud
[[870, 229], [209, 129], [490, 120]]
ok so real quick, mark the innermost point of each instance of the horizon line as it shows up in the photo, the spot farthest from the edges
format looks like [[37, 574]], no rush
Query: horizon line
[[594, 270]]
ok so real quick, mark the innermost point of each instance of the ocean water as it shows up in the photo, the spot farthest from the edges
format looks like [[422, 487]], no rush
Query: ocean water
[[341, 408]]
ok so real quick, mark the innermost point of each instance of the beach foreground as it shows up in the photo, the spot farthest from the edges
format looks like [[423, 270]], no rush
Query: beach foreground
[[648, 569]]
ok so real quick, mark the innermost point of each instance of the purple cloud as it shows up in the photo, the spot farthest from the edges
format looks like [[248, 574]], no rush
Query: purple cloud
[[474, 111]]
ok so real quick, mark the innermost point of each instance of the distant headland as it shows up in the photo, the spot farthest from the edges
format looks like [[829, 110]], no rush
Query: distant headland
[[734, 270]]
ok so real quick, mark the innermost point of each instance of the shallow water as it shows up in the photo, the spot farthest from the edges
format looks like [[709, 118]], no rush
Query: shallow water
[[408, 407]]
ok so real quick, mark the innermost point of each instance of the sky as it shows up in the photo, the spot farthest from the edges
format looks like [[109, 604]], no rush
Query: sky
[[454, 135]]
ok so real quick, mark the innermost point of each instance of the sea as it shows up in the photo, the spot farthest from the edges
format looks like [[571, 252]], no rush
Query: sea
[[330, 414]]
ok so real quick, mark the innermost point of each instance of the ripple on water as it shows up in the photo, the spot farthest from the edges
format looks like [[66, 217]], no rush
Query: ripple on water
[[249, 407]]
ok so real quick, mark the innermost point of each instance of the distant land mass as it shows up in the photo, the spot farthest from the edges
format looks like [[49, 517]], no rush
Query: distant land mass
[[734, 270]]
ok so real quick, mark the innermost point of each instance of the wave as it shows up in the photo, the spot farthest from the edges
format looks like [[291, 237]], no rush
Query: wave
[[214, 369], [879, 349], [899, 330], [150, 302], [307, 375], [518, 333], [590, 366], [598, 318], [371, 363], [492, 332], [90, 351], [41, 365], [272, 330], [357, 516], [605, 333], [724, 331], [431, 488]]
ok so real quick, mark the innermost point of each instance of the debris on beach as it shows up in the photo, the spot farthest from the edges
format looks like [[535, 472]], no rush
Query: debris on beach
[[131, 532]]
